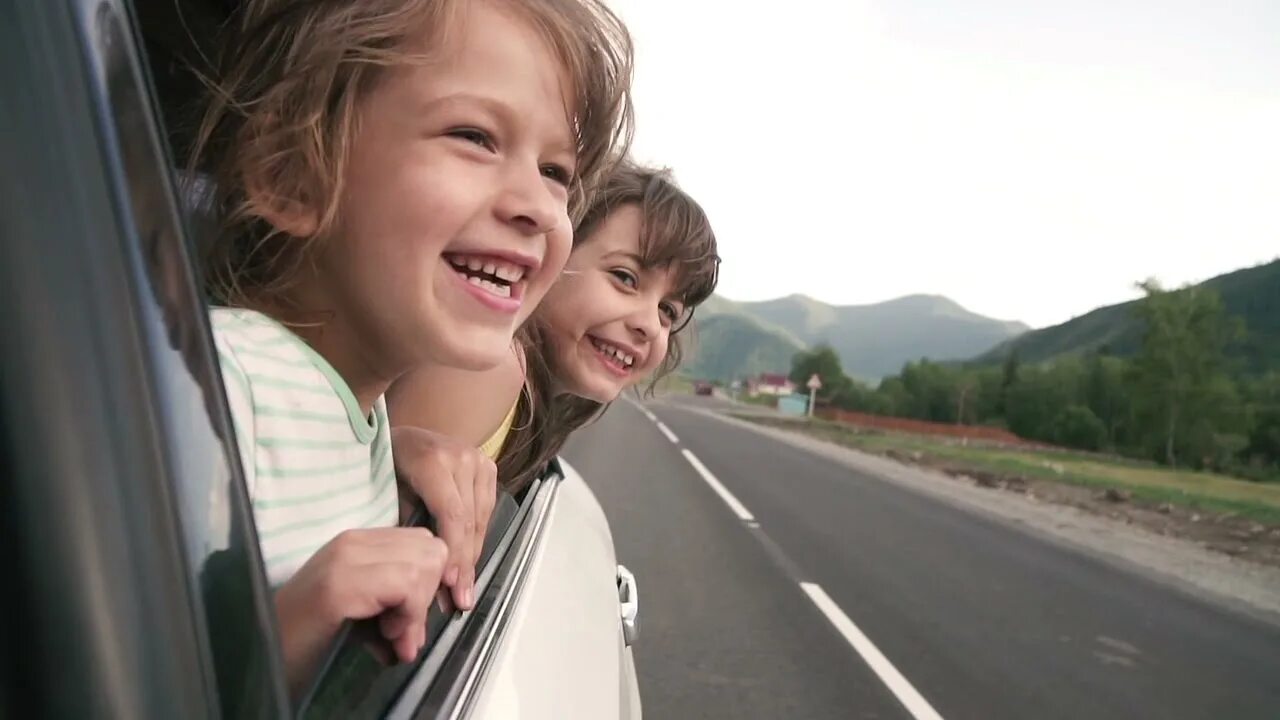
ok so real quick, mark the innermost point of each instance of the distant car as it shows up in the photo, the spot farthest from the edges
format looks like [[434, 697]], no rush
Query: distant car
[[134, 584], [703, 388]]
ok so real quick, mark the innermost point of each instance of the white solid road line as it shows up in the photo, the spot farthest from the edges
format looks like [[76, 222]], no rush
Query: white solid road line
[[912, 700], [667, 431], [738, 508]]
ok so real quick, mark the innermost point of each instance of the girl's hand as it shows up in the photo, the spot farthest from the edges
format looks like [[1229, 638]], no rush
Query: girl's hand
[[459, 486], [388, 572]]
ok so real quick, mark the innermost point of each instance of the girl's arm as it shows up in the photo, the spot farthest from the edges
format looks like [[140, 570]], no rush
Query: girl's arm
[[468, 406], [439, 418]]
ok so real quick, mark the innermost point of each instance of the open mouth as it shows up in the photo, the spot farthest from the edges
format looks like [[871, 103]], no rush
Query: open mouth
[[614, 358], [496, 276]]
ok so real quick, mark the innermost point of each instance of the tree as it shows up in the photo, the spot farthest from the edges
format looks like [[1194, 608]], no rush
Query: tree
[[966, 388], [1077, 427], [1041, 394], [822, 361], [1107, 395], [859, 397], [1264, 435], [1009, 377], [893, 397], [988, 405], [1179, 368], [933, 391]]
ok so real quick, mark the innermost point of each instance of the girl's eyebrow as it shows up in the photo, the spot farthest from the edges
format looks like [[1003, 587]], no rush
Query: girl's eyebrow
[[501, 111], [633, 257], [493, 105]]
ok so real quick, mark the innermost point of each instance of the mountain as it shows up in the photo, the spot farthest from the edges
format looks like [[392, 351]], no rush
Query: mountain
[[872, 340], [730, 345], [1251, 294]]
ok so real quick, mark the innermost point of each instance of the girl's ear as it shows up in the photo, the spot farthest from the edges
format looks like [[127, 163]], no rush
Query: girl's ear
[[290, 215]]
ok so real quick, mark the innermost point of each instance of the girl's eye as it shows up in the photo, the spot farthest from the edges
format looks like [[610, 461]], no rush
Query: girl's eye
[[670, 312], [626, 277], [474, 136], [558, 173]]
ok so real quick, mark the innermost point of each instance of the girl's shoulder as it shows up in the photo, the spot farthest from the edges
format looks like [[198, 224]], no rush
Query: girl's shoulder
[[493, 445], [473, 406], [240, 323]]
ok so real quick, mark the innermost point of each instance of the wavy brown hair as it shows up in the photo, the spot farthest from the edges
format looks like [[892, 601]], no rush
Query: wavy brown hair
[[674, 233], [283, 101]]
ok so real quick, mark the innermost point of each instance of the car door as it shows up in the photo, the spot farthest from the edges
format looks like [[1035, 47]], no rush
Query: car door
[[566, 649], [546, 639]]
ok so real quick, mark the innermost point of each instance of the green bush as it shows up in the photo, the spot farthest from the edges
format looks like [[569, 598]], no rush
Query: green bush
[[1077, 427]]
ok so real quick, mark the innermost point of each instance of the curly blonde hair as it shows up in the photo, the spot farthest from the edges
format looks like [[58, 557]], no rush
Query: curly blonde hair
[[283, 101]]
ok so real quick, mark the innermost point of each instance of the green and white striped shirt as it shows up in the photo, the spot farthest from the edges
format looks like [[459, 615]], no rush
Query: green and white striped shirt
[[315, 466]]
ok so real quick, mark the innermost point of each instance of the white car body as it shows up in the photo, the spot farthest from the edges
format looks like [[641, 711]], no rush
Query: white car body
[[564, 654]]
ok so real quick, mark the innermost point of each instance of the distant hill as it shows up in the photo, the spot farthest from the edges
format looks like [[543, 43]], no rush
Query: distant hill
[[730, 345], [1252, 294], [872, 340]]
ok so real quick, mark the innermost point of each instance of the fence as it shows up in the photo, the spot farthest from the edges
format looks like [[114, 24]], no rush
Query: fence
[[922, 427]]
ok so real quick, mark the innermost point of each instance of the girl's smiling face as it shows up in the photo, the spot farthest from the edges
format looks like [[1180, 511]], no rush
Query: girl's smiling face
[[609, 318], [453, 220]]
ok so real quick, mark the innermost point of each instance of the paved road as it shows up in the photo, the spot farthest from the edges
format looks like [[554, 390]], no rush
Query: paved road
[[979, 619]]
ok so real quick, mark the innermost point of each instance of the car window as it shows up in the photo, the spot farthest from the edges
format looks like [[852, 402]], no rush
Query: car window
[[133, 557], [215, 516]]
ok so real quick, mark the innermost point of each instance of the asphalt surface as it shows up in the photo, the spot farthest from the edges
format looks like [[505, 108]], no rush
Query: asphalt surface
[[978, 618]]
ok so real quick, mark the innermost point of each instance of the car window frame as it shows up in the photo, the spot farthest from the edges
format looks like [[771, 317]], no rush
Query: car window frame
[[443, 681], [98, 244], [351, 666], [450, 690]]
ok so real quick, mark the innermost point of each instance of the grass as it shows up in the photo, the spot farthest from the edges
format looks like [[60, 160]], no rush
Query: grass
[[1148, 482], [762, 400], [674, 384]]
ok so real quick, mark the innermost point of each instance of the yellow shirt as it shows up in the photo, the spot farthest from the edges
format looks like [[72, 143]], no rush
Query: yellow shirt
[[493, 445]]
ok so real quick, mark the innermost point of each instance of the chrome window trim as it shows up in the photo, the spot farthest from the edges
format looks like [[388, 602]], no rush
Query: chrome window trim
[[447, 683]]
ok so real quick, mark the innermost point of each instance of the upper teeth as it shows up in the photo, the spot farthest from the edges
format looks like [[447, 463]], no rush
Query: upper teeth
[[501, 269], [616, 352], [509, 272]]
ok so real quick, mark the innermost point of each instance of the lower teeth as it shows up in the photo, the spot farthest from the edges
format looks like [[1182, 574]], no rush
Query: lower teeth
[[495, 288]]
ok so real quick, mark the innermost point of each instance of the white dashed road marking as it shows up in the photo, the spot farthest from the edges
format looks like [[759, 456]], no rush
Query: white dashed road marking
[[912, 700], [667, 431], [738, 508], [898, 684]]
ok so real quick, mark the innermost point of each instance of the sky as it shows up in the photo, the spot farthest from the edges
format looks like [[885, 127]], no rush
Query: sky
[[1029, 160]]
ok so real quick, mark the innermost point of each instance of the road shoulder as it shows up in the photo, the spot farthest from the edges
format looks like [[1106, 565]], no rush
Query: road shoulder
[[1245, 587]]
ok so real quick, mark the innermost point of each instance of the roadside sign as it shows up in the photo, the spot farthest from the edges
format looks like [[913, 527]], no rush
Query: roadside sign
[[814, 384]]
